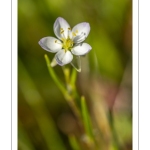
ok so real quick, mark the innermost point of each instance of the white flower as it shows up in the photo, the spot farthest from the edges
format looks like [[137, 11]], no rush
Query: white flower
[[69, 42]]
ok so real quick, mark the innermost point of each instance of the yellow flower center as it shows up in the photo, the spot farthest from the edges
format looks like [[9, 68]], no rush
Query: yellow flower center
[[67, 44]]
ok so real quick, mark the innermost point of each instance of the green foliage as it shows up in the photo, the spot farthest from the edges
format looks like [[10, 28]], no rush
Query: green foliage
[[86, 118], [73, 142]]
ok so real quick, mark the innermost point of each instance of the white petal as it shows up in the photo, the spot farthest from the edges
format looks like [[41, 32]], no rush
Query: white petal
[[80, 32], [61, 25], [63, 57], [50, 44], [81, 49]]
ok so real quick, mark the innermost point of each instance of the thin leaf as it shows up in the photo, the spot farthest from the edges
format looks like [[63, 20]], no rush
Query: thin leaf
[[86, 118], [74, 143]]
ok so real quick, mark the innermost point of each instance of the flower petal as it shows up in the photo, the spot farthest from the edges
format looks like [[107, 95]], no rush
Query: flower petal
[[80, 32], [63, 57], [50, 44], [81, 49], [61, 28]]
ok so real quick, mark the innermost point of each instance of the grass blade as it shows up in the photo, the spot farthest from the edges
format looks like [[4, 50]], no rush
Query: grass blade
[[86, 118]]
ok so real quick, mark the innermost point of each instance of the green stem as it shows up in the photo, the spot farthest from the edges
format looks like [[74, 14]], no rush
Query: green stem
[[74, 143], [114, 133], [66, 72], [66, 94], [73, 77]]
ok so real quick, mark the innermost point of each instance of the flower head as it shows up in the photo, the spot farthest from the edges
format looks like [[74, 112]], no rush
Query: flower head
[[69, 42]]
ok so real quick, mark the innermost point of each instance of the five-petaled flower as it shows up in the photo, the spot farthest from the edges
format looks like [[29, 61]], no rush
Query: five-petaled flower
[[70, 41]]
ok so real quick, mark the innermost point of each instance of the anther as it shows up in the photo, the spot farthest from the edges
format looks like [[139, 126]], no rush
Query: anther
[[56, 41], [73, 34], [62, 31]]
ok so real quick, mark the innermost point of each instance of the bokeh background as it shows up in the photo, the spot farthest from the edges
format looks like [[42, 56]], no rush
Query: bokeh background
[[44, 118]]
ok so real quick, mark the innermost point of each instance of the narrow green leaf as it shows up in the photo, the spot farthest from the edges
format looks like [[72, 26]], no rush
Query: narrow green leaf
[[86, 118], [74, 143]]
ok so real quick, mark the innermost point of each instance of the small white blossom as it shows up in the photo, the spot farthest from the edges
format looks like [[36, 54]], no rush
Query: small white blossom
[[69, 42]]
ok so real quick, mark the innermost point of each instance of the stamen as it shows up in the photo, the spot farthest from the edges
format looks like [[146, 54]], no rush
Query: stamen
[[69, 30], [62, 32], [67, 44], [58, 42], [63, 39], [61, 29], [74, 34], [63, 35]]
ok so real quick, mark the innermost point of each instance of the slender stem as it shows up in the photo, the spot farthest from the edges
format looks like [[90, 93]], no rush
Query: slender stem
[[74, 143], [65, 92], [75, 110], [114, 133], [66, 72], [73, 77], [70, 83]]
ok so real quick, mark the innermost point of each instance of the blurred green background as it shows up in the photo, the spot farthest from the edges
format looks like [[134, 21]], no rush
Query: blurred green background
[[44, 117]]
